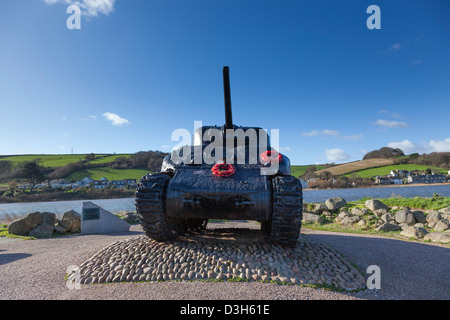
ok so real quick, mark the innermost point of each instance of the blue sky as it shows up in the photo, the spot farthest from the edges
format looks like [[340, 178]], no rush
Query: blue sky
[[139, 69]]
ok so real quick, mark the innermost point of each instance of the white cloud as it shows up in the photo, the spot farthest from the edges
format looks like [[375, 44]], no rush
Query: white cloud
[[336, 154], [426, 147], [115, 119], [390, 124], [391, 114], [331, 133], [89, 7], [439, 145], [89, 118], [354, 137], [396, 46], [407, 146], [313, 133]]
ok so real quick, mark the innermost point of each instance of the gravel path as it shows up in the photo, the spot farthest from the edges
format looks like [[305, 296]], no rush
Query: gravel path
[[35, 270]]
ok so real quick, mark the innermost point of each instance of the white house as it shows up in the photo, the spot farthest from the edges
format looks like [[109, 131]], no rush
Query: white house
[[399, 173], [100, 184], [85, 182], [118, 183], [60, 183]]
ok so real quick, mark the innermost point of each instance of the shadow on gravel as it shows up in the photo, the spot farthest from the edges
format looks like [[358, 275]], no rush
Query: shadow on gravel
[[6, 258], [409, 270]]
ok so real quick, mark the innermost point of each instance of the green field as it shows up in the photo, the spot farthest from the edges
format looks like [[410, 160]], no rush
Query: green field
[[297, 171], [108, 159], [46, 160], [383, 171], [110, 174]]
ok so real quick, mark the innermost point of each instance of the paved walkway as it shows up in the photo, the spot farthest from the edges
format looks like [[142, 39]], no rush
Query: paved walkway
[[35, 269]]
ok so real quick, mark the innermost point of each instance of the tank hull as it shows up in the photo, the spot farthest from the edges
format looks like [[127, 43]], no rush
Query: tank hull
[[196, 193]]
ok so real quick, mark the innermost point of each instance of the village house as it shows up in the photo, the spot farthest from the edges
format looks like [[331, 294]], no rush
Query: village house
[[396, 180], [429, 178], [100, 184], [399, 173], [60, 183], [382, 180], [85, 182], [388, 180], [118, 183], [25, 186], [131, 182]]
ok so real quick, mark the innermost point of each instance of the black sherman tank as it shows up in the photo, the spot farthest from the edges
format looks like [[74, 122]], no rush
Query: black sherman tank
[[185, 194]]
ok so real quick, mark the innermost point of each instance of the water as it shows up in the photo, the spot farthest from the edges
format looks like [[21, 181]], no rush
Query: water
[[16, 210], [377, 193]]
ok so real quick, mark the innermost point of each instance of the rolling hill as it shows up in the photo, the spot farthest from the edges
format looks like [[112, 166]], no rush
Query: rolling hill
[[355, 166]]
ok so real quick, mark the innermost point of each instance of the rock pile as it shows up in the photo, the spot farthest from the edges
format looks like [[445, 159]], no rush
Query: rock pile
[[428, 225], [44, 224], [203, 258]]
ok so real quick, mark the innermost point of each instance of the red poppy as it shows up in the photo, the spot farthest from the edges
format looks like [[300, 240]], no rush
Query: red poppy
[[223, 170], [270, 155]]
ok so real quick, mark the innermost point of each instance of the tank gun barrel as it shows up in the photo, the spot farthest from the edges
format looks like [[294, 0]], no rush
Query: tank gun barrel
[[227, 96]]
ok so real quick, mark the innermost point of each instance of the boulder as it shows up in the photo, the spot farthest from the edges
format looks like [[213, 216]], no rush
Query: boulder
[[42, 231], [23, 226], [380, 212], [445, 211], [403, 226], [362, 223], [388, 217], [335, 203], [388, 227], [343, 214], [441, 225], [358, 211], [71, 215], [431, 225], [405, 216], [414, 232], [419, 216], [349, 220], [59, 229], [438, 237], [433, 216], [326, 214], [311, 218], [76, 226], [319, 208], [75, 219], [373, 205], [66, 224], [48, 218]]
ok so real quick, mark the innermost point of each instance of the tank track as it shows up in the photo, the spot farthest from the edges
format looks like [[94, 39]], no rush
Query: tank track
[[150, 207], [287, 210]]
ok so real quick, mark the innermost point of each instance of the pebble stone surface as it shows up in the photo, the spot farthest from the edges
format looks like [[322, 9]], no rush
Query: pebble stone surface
[[220, 255]]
